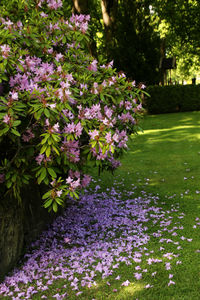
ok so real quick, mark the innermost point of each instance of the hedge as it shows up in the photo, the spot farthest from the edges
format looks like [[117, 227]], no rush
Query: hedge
[[173, 98]]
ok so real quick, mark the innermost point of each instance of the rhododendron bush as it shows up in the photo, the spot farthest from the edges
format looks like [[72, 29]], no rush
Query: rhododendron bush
[[61, 110]]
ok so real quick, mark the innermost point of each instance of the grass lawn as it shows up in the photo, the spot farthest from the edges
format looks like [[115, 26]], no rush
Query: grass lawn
[[168, 154], [150, 209]]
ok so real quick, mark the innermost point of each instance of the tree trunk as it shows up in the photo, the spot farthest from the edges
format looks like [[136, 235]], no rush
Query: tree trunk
[[80, 7], [109, 12], [162, 56]]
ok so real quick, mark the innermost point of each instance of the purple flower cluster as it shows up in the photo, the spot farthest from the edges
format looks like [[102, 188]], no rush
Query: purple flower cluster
[[62, 104]]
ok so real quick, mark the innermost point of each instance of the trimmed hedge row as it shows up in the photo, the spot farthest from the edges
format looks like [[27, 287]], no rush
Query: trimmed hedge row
[[173, 98]]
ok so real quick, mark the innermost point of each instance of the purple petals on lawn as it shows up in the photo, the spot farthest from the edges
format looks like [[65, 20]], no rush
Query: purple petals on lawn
[[91, 240]]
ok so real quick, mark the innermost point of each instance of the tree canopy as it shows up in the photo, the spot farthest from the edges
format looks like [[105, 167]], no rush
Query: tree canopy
[[137, 33]]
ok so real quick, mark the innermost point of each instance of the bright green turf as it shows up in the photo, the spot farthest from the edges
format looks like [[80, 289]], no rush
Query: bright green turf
[[167, 151]]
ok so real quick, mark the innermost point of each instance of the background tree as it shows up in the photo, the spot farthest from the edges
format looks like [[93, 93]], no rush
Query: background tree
[[177, 22], [130, 40], [123, 31], [137, 33]]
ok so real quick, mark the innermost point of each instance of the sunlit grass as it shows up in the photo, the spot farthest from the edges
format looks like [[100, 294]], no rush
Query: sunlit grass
[[167, 152]]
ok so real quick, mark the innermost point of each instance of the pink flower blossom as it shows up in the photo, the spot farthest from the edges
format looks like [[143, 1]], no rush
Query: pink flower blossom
[[39, 159], [93, 134], [59, 193], [5, 49], [67, 240], [69, 180], [126, 283], [14, 95], [6, 119], [138, 276], [171, 283], [75, 184], [59, 57], [148, 286], [43, 15], [108, 138], [110, 65], [86, 180], [93, 66], [54, 4], [167, 266], [56, 127], [143, 86], [28, 135]]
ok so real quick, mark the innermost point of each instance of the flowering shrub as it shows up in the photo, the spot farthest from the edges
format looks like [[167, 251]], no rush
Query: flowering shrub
[[61, 110]]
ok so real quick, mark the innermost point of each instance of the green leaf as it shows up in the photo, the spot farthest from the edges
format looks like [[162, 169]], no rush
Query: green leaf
[[2, 68], [112, 149], [46, 136], [48, 151], [64, 39], [21, 68], [38, 114], [89, 156], [101, 145], [48, 203], [51, 172], [2, 114], [42, 175], [70, 137], [3, 131], [46, 112], [104, 150], [55, 207], [14, 177], [15, 132], [4, 77], [16, 123], [56, 150], [76, 195], [9, 184], [46, 195], [5, 62], [56, 137], [59, 201], [102, 97], [93, 143], [43, 149]]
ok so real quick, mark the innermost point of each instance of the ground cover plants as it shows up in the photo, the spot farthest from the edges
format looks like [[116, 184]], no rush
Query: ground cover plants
[[131, 236]]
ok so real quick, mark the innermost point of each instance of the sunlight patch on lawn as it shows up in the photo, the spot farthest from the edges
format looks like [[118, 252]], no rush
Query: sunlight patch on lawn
[[171, 129], [131, 289]]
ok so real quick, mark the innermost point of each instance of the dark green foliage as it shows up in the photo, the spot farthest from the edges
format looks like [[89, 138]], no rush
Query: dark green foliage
[[135, 47], [174, 98], [183, 16]]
